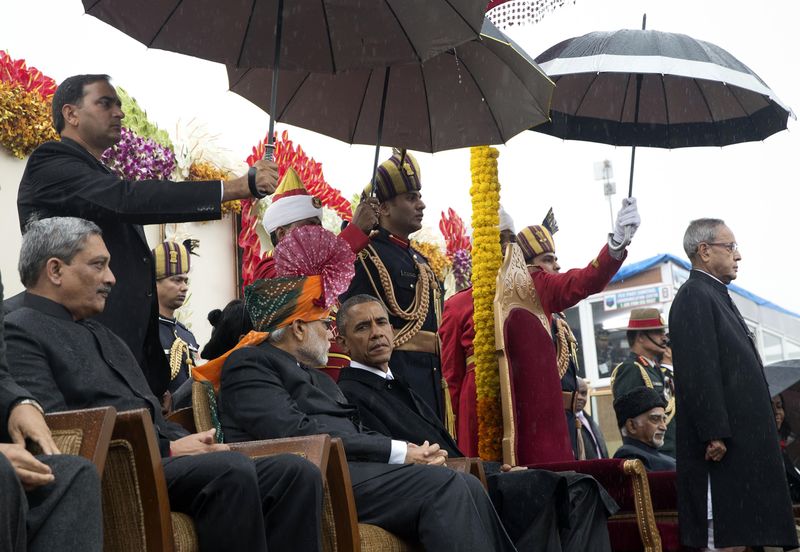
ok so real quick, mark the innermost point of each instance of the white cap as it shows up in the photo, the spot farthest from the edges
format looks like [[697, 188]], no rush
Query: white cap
[[506, 222]]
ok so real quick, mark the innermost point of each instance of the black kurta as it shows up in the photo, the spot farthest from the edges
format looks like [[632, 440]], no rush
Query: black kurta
[[722, 393], [62, 179], [420, 370]]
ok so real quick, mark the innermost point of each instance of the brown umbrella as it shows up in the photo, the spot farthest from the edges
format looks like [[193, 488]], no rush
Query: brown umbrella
[[482, 92]]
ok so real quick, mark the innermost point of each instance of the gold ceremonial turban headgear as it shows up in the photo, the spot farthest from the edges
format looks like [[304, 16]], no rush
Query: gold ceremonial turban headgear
[[397, 175]]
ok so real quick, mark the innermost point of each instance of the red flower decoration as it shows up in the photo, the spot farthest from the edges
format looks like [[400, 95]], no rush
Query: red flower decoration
[[455, 233], [31, 79]]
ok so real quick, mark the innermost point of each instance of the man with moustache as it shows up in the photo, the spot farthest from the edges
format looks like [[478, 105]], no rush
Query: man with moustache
[[647, 337], [732, 489], [643, 424], [68, 178], [67, 360], [391, 269]]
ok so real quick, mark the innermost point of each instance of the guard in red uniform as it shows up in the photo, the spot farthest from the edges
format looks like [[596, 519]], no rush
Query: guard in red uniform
[[558, 292], [458, 363]]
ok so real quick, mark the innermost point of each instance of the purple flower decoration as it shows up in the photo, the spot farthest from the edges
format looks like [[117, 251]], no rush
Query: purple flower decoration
[[137, 158], [462, 268]]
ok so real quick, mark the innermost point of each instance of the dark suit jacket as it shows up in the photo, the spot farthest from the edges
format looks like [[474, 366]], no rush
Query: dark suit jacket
[[602, 450], [71, 365], [10, 392], [63, 179], [265, 394], [421, 371], [652, 459], [392, 408]]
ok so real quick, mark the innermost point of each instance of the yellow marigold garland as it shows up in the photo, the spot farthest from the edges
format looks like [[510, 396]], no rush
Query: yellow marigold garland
[[436, 257], [25, 120], [486, 260], [202, 170]]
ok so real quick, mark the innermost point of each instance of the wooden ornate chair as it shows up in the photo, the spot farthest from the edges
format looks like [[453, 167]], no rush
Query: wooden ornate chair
[[136, 514], [534, 425], [340, 527], [82, 433]]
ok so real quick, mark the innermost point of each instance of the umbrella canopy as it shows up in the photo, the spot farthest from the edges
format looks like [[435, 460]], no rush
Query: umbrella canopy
[[482, 92], [657, 89], [782, 375], [317, 35]]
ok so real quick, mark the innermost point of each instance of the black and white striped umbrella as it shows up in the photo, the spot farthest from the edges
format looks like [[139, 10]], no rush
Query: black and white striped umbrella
[[657, 89]]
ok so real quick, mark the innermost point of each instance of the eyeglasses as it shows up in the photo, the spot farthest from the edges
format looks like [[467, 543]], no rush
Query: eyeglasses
[[327, 321], [732, 247]]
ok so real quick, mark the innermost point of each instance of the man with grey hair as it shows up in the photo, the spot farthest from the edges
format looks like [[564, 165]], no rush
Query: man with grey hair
[[67, 360], [732, 490], [643, 423], [50, 501]]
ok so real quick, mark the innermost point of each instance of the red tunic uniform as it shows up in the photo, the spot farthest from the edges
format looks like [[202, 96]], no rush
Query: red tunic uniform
[[456, 332], [557, 292]]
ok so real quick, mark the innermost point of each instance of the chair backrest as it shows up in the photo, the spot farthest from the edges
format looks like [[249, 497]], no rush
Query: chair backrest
[[534, 425], [136, 513], [204, 408], [84, 433]]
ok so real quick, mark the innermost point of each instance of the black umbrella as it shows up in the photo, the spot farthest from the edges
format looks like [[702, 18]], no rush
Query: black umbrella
[[482, 92], [783, 379], [309, 35], [657, 89], [782, 375]]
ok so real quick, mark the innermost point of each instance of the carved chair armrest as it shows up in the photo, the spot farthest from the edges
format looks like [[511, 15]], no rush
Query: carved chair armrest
[[84, 433]]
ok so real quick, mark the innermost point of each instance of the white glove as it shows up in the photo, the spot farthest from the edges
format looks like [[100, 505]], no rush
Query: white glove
[[627, 216]]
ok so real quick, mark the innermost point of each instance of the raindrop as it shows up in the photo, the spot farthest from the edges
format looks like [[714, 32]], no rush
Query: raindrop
[[458, 65]]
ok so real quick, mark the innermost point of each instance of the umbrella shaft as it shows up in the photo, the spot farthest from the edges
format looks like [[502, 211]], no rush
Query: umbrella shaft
[[380, 130], [633, 162], [273, 100]]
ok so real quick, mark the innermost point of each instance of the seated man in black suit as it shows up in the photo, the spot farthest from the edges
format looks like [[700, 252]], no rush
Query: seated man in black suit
[[68, 360], [50, 502], [272, 390], [529, 501], [643, 423]]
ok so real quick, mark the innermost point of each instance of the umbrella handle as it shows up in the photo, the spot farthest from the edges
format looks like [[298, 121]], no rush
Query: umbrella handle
[[625, 241]]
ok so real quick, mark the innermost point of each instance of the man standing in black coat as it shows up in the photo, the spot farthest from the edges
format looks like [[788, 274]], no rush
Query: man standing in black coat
[[68, 178], [68, 360], [732, 487], [540, 509], [643, 423]]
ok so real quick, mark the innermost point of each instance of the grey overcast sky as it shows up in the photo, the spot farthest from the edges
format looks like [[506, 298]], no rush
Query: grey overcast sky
[[754, 187]]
